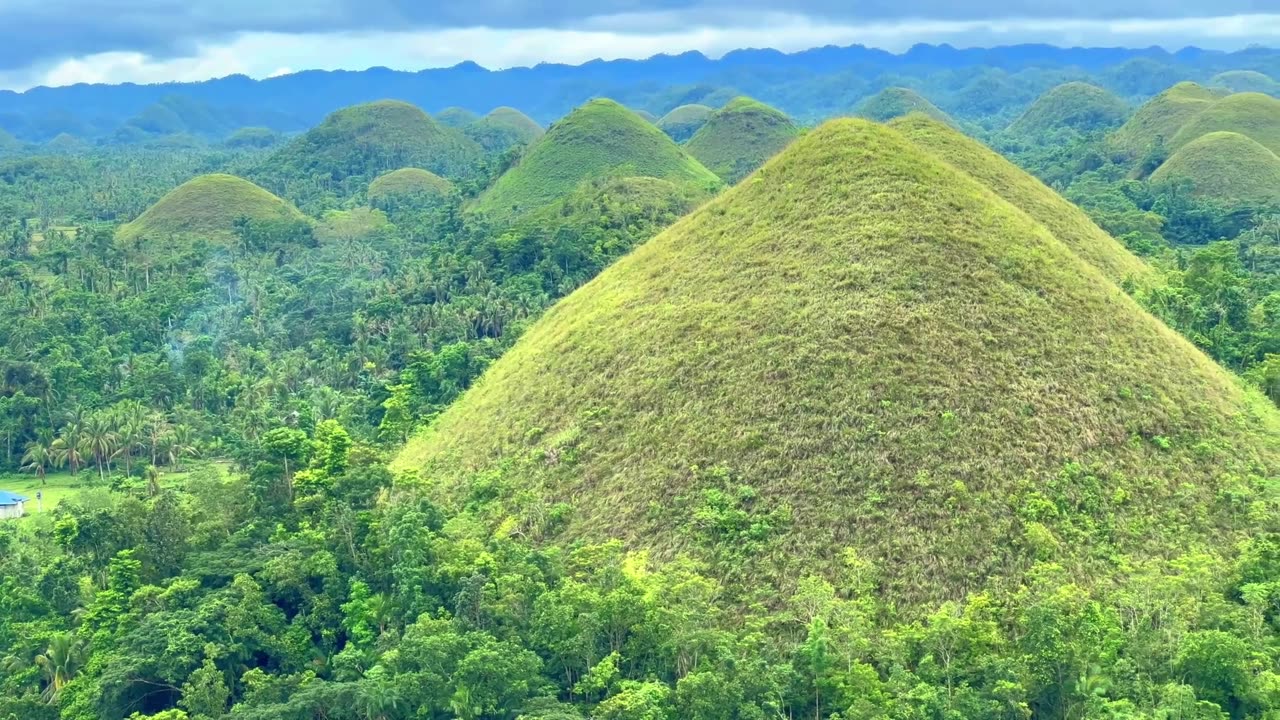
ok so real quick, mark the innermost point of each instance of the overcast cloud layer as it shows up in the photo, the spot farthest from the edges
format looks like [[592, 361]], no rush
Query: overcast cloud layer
[[58, 42]]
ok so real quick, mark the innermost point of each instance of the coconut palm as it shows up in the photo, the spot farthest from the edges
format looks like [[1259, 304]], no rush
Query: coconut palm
[[60, 663], [181, 444], [69, 445], [38, 458], [100, 440]]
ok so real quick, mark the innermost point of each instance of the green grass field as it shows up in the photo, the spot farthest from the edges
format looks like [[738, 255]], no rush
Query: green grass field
[[61, 485]]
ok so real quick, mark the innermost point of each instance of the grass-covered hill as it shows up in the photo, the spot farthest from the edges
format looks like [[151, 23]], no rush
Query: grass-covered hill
[[1252, 114], [1227, 167], [207, 207], [895, 102], [1160, 118], [1076, 106], [682, 122], [8, 143], [599, 139], [409, 185], [740, 137], [865, 348], [252, 137], [456, 117], [1241, 81], [1068, 223], [503, 129], [368, 140]]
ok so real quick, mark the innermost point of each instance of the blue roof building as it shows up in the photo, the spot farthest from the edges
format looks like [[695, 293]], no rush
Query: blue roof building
[[12, 505]]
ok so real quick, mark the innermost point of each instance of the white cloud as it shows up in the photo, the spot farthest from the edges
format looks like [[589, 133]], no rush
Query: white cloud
[[634, 36]]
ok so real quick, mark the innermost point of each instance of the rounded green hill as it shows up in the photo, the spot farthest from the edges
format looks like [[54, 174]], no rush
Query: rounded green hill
[[599, 139], [1227, 167], [682, 122], [1076, 106], [503, 129], [409, 185], [862, 348], [65, 143], [253, 137], [1066, 221], [456, 117], [207, 207], [740, 137], [9, 143], [895, 102], [1242, 81], [1162, 117], [368, 140], [1252, 114]]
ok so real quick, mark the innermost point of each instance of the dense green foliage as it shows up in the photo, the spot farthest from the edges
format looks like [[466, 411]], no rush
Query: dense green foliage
[[682, 122], [456, 117], [253, 137], [1076, 106], [1227, 167], [740, 137], [896, 102], [409, 186], [1244, 81], [503, 129], [598, 140]]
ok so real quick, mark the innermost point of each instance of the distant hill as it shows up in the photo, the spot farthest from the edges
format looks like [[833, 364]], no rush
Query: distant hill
[[682, 122], [599, 139], [865, 348], [1241, 81], [207, 208], [1068, 223], [184, 115], [64, 143], [503, 129], [740, 137], [253, 137], [1227, 167], [1162, 117], [456, 117], [8, 143], [895, 102], [1076, 106], [409, 186], [365, 141], [1252, 114], [646, 115]]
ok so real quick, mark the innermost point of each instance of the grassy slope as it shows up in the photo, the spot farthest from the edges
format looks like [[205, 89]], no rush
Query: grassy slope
[[8, 143], [61, 484], [682, 122], [1252, 114], [1225, 166], [740, 137], [895, 102], [456, 117], [409, 182], [503, 129], [1240, 81], [207, 206], [867, 335], [1076, 105], [368, 140], [1066, 221], [599, 139], [1162, 117]]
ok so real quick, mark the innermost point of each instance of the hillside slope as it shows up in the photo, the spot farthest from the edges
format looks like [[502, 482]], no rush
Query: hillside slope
[[503, 129], [599, 139], [895, 102], [1076, 106], [1227, 167], [862, 348], [1162, 117], [740, 137], [1067, 222], [207, 207], [1242, 81], [682, 122], [1252, 114]]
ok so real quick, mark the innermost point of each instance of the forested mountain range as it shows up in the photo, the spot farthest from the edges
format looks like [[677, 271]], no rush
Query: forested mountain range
[[808, 85]]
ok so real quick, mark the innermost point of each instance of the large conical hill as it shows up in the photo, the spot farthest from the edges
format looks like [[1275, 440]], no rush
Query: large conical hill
[[1252, 114], [365, 141], [207, 207], [408, 187], [740, 137], [503, 129], [1076, 106], [1227, 167], [599, 139], [1065, 220], [682, 122], [864, 348], [895, 102], [1241, 81], [1160, 118]]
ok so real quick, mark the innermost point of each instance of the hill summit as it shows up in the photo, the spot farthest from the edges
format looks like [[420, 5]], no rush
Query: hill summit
[[208, 207], [503, 129], [1162, 117], [862, 348], [1076, 106], [1252, 114], [895, 102], [740, 137], [364, 141], [682, 122], [1227, 167], [600, 139]]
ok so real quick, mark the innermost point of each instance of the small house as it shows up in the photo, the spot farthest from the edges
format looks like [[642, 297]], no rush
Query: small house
[[12, 505]]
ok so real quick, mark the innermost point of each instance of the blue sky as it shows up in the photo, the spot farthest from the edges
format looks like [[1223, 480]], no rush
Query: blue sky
[[58, 42]]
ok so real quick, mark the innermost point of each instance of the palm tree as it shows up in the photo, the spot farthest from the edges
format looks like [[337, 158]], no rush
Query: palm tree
[[156, 431], [60, 663], [152, 473], [182, 443], [69, 445], [38, 458], [101, 442]]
